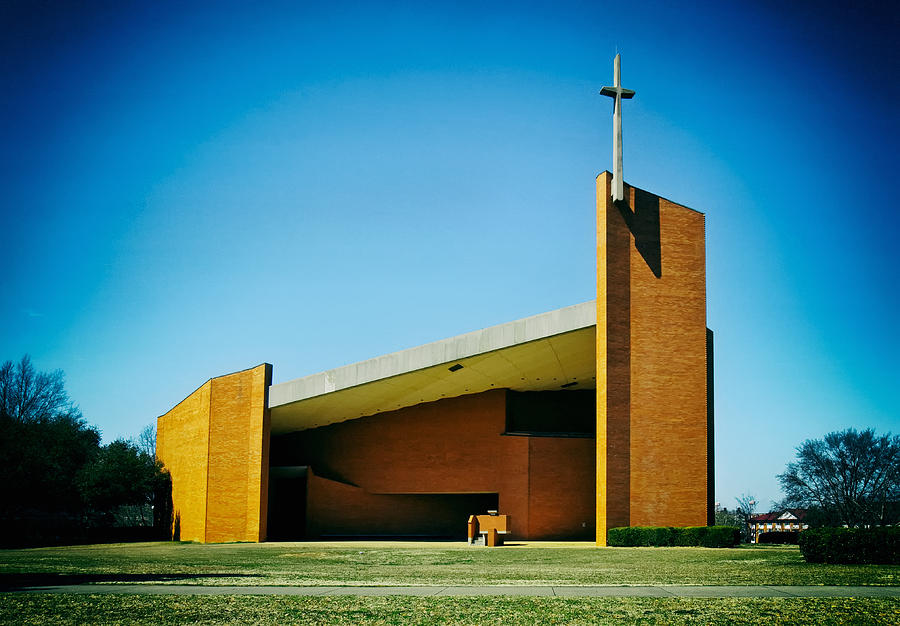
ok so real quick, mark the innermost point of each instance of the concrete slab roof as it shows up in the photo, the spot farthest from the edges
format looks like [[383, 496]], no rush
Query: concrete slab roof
[[542, 352]]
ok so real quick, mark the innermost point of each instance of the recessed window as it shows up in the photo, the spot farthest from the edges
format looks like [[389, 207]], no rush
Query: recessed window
[[552, 413]]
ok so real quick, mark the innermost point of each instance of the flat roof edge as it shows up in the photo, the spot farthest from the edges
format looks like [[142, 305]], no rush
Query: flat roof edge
[[560, 321]]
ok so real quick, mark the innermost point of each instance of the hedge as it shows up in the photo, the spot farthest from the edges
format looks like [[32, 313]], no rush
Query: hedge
[[706, 536], [851, 545], [778, 536]]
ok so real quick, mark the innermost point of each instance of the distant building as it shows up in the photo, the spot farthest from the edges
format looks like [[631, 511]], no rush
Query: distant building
[[790, 520]]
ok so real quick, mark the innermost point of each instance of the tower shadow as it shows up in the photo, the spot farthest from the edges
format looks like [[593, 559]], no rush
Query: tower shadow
[[643, 222]]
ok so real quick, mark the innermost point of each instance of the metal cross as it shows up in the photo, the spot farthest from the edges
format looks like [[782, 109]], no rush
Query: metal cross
[[617, 92]]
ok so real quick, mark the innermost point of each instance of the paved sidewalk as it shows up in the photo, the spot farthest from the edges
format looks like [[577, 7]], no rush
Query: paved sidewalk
[[654, 591]]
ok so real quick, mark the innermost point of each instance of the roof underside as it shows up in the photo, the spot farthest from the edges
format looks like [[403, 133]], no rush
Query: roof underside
[[538, 353]]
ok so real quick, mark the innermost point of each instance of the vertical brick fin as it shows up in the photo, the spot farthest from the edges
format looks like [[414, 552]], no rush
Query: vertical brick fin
[[710, 432], [238, 458], [614, 242], [603, 190], [263, 467], [182, 445]]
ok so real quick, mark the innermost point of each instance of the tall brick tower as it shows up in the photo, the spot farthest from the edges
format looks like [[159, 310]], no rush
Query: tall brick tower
[[654, 408]]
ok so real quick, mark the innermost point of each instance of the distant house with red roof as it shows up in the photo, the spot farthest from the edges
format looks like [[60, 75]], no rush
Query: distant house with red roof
[[789, 520]]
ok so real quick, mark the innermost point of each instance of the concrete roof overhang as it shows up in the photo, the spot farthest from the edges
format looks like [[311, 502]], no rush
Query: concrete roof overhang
[[538, 353]]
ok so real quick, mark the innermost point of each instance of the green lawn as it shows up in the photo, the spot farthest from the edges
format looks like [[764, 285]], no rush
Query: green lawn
[[388, 563], [128, 609]]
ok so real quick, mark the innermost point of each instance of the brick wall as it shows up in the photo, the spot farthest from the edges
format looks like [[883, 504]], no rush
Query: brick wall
[[338, 509], [215, 446], [182, 444], [651, 362], [561, 488], [453, 446]]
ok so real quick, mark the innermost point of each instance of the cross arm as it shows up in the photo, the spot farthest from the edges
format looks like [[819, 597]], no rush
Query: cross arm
[[612, 92]]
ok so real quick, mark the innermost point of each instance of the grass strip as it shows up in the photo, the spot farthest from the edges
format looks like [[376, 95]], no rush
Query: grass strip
[[139, 609], [313, 563]]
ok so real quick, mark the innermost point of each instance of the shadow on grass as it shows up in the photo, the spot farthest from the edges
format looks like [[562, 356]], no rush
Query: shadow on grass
[[16, 582]]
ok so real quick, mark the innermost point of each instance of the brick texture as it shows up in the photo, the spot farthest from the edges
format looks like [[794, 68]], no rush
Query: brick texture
[[561, 488], [651, 362], [215, 445], [453, 446], [182, 444], [345, 510]]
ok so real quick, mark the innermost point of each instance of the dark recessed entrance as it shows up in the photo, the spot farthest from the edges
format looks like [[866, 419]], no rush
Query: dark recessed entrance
[[287, 504], [416, 516]]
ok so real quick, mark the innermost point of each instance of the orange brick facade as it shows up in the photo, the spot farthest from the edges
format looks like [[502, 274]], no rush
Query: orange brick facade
[[369, 476], [215, 445], [652, 413]]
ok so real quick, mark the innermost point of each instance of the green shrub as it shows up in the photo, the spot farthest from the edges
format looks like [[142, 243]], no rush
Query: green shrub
[[616, 537], [706, 536], [660, 536], [689, 535], [721, 537], [626, 536], [851, 545], [778, 536]]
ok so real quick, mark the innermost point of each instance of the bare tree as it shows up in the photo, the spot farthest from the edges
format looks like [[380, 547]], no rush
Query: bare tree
[[30, 396], [853, 475], [147, 441], [746, 506]]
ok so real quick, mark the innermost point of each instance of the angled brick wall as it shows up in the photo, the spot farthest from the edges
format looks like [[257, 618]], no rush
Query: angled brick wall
[[182, 444], [215, 445]]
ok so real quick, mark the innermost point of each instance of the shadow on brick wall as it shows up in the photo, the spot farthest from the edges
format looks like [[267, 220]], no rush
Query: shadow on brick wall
[[643, 222]]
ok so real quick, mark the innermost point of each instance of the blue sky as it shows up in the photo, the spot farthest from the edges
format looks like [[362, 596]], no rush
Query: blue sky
[[193, 191]]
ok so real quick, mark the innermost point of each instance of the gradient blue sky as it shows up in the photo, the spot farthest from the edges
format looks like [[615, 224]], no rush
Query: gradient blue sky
[[192, 191]]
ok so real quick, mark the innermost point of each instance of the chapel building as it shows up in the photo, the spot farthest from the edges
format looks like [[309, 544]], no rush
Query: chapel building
[[585, 418]]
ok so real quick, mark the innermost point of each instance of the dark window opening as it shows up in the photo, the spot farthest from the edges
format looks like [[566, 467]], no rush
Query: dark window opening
[[552, 413]]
